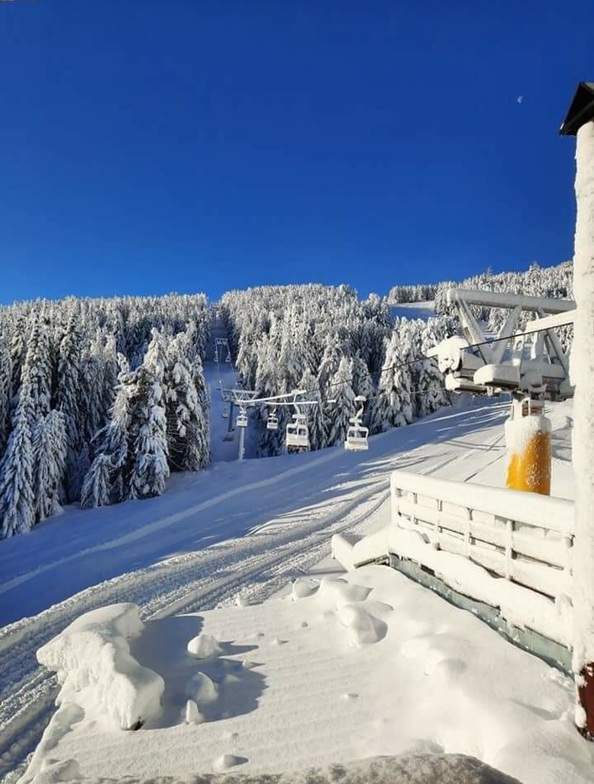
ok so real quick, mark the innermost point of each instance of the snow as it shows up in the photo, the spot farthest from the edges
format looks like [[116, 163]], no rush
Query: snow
[[452, 354], [520, 431], [95, 668], [397, 672], [518, 605], [498, 375], [203, 646], [339, 672]]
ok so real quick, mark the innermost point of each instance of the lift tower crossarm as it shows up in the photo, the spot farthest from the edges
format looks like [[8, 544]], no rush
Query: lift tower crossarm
[[498, 299]]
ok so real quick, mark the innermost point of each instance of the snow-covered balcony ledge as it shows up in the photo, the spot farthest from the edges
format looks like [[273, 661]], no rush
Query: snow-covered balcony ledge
[[507, 549]]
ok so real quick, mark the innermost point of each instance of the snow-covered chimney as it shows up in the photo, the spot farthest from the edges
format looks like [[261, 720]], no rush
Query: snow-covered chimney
[[580, 123]]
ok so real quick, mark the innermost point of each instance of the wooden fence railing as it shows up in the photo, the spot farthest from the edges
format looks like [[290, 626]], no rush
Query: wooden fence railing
[[524, 537]]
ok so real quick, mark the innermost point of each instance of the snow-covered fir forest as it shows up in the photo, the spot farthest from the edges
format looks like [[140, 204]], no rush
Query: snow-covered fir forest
[[335, 347], [100, 400]]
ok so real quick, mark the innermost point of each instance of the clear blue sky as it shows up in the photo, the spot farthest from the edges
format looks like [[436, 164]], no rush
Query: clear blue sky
[[189, 145]]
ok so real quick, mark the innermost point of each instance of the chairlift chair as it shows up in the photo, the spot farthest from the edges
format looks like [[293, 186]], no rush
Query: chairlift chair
[[357, 437], [297, 435], [272, 421]]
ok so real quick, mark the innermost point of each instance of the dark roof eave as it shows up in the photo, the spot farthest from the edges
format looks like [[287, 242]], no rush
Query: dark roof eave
[[581, 110]]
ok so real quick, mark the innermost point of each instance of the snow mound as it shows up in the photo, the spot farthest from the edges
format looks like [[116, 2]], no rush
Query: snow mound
[[363, 628], [338, 592], [302, 588], [202, 690], [204, 646], [226, 761], [95, 668], [191, 713]]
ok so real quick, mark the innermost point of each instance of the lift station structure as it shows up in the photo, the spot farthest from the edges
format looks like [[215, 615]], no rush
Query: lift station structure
[[527, 360]]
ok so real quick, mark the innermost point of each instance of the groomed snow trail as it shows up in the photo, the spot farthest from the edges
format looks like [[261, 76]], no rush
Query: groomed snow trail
[[286, 525]]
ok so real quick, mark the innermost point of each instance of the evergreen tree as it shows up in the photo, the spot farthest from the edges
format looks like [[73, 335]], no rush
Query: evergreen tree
[[49, 447], [96, 488], [5, 387], [39, 367], [17, 502], [315, 419], [186, 401], [345, 406], [393, 404], [69, 404], [148, 424], [113, 461]]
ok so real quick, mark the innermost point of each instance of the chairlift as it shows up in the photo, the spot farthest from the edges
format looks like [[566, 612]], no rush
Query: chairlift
[[357, 435], [297, 434], [272, 421], [228, 357]]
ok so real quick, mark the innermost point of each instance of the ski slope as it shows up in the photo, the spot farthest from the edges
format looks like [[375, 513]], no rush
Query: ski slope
[[237, 528]]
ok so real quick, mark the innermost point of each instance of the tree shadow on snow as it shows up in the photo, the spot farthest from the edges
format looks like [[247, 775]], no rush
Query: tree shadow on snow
[[162, 646]]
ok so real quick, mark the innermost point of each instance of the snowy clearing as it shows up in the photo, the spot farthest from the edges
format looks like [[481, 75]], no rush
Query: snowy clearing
[[194, 549]]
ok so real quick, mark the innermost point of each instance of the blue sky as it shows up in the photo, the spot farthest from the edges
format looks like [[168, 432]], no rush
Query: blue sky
[[190, 145]]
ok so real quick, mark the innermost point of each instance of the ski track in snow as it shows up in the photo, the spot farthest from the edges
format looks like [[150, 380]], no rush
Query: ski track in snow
[[258, 564]]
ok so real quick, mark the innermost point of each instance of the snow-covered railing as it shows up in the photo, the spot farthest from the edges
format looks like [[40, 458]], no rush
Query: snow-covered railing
[[523, 537]]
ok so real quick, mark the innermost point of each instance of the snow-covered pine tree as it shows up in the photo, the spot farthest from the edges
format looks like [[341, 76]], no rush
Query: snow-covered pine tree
[[97, 484], [188, 440], [345, 406], [392, 406], [5, 383], [267, 380], [17, 512], [330, 362], [290, 360], [39, 365], [18, 349], [315, 414], [432, 394], [148, 424], [114, 452], [69, 403], [49, 447]]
